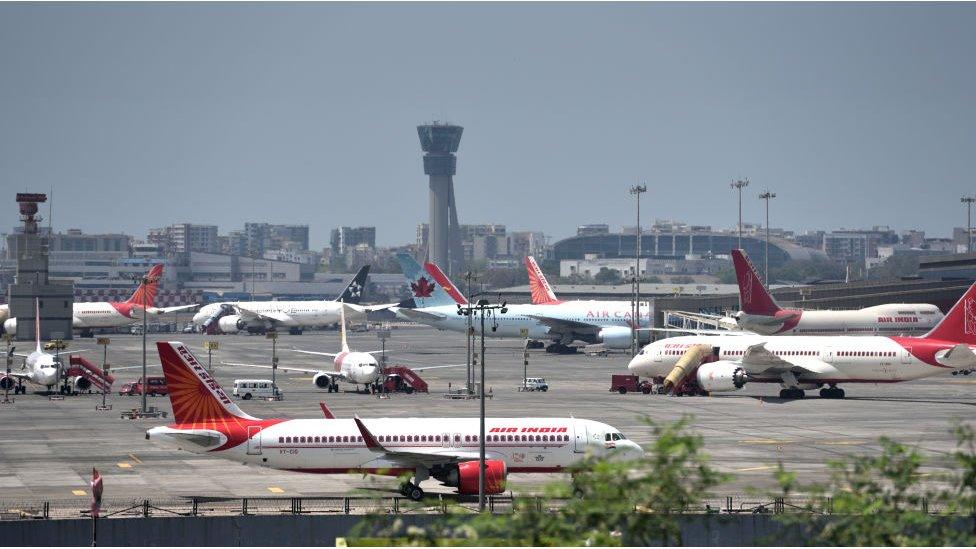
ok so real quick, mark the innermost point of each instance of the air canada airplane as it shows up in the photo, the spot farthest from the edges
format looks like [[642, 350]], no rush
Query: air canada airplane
[[802, 363], [436, 301], [257, 316], [113, 314], [208, 422], [762, 315]]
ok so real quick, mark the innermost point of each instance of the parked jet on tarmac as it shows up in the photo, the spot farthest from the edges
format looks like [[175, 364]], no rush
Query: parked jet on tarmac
[[206, 421], [113, 314], [801, 363], [258, 316], [762, 315], [437, 300]]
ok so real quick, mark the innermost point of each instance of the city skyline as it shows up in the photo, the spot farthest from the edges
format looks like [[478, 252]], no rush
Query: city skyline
[[255, 105]]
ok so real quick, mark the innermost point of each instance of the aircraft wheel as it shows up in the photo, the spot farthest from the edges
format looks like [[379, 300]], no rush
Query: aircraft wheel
[[414, 492]]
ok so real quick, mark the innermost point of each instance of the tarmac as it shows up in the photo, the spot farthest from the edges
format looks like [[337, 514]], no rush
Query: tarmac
[[48, 447]]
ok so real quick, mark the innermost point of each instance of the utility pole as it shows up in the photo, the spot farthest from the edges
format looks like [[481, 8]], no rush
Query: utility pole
[[968, 200], [483, 308], [104, 342], [637, 190], [766, 195], [272, 334], [468, 334], [739, 184]]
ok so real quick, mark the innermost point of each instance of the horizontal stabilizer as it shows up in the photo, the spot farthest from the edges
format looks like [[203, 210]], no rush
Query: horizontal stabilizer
[[960, 356]]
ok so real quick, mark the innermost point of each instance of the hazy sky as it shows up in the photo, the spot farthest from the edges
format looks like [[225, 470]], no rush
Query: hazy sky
[[140, 115]]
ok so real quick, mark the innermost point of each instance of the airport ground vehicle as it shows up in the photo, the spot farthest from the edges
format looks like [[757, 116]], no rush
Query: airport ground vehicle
[[624, 383], [256, 388], [156, 387], [207, 421], [534, 384]]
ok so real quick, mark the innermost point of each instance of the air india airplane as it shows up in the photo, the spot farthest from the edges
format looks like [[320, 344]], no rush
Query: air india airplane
[[762, 315], [113, 314], [208, 422], [802, 363]]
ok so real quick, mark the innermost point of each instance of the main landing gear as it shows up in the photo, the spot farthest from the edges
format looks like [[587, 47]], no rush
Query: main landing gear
[[412, 491], [832, 392], [791, 393]]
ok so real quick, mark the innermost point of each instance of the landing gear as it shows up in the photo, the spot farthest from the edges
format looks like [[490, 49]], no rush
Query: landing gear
[[412, 491], [87, 333], [333, 388], [791, 393], [295, 331], [20, 389], [832, 392], [560, 349]]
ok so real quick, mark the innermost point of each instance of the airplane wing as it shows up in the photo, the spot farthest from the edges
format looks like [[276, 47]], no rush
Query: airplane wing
[[250, 314], [410, 459], [170, 310], [422, 316], [698, 332], [960, 356], [113, 369], [561, 325], [758, 360], [317, 353], [281, 368], [422, 368], [380, 307]]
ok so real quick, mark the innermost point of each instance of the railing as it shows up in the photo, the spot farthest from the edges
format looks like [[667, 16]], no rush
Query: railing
[[362, 505]]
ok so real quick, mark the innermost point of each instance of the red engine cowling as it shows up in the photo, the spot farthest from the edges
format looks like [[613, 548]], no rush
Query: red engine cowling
[[495, 473], [7, 382]]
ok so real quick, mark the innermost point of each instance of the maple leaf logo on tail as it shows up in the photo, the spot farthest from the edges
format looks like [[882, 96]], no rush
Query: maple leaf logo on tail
[[422, 287]]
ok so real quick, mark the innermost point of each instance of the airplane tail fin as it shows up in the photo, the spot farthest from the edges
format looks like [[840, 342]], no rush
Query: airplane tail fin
[[753, 296], [959, 325], [149, 288], [424, 289], [542, 293], [445, 283], [37, 323], [194, 393], [342, 329], [354, 291]]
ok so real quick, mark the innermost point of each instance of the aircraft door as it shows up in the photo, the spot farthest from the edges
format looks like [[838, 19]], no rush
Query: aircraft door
[[579, 429], [254, 440], [906, 355], [446, 440]]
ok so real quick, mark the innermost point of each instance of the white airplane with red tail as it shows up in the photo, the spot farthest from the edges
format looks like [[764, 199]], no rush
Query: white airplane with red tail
[[208, 422], [801, 363], [762, 315]]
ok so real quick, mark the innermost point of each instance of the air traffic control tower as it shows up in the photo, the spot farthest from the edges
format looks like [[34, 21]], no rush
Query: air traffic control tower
[[440, 143], [56, 298]]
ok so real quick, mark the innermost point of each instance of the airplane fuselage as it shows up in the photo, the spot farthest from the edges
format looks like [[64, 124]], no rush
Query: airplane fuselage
[[841, 359], [284, 313], [890, 319]]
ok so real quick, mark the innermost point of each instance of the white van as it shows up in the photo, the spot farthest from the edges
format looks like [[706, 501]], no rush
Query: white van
[[256, 388]]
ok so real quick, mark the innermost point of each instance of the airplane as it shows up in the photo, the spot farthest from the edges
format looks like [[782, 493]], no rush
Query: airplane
[[206, 421], [359, 368], [258, 316], [802, 363], [40, 368], [88, 316], [435, 302], [762, 315]]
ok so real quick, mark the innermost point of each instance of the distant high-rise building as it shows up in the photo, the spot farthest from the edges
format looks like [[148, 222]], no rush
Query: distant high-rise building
[[344, 238], [185, 237]]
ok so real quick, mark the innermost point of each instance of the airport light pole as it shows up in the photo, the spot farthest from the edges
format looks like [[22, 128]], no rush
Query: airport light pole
[[740, 184], [767, 196], [968, 200], [484, 308], [637, 191]]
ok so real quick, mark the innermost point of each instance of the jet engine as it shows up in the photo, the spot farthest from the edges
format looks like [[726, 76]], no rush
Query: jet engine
[[7, 382], [616, 337], [80, 383], [721, 376], [231, 323], [464, 476], [322, 380], [10, 326]]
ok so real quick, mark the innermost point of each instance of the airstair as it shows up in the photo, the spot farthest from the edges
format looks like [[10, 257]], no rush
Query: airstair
[[100, 381]]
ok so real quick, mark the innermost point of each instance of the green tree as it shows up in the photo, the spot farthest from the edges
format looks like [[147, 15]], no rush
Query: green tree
[[606, 276], [609, 503]]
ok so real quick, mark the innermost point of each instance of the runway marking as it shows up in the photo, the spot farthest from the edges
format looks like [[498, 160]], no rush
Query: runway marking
[[124, 465], [79, 492], [760, 468], [843, 442], [275, 490], [135, 459], [764, 441]]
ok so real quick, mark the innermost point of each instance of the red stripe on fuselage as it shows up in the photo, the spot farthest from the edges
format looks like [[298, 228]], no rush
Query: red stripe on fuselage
[[925, 349], [337, 363]]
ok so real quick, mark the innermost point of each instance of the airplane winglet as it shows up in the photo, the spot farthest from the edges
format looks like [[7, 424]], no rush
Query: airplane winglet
[[326, 411], [368, 437]]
